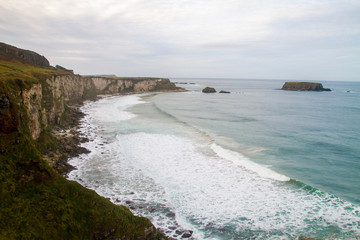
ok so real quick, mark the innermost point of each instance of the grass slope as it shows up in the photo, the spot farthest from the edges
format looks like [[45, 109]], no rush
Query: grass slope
[[36, 202]]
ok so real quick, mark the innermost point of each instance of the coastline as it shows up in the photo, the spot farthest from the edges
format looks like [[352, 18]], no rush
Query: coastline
[[93, 180], [69, 138], [134, 206], [39, 115], [70, 141]]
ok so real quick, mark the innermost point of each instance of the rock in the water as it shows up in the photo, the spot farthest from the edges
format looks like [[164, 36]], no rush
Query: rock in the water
[[304, 86], [222, 91], [209, 90], [187, 234]]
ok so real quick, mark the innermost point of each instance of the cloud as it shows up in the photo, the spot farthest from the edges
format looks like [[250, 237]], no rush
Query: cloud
[[188, 38]]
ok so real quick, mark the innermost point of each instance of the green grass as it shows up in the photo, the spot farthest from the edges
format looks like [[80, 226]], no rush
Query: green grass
[[36, 203], [20, 75]]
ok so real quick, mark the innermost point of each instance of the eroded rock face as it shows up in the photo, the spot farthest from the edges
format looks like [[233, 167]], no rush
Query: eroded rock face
[[8, 122], [45, 103], [209, 90], [304, 86], [32, 100]]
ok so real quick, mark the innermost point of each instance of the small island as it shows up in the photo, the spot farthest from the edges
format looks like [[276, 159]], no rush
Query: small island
[[209, 90], [304, 86]]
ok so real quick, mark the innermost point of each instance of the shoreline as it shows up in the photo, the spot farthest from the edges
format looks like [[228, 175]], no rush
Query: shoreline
[[69, 141], [129, 203], [68, 137]]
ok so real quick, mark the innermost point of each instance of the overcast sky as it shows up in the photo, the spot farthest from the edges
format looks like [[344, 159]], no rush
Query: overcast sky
[[267, 39]]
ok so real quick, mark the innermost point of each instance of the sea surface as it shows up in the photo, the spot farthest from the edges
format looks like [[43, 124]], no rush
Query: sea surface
[[258, 163]]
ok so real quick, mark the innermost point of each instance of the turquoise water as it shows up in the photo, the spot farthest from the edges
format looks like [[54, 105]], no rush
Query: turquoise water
[[259, 163], [310, 136]]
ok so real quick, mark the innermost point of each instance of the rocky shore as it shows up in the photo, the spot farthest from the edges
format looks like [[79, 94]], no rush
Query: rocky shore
[[69, 142]]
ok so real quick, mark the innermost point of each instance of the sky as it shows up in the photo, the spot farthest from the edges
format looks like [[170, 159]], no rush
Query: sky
[[254, 39]]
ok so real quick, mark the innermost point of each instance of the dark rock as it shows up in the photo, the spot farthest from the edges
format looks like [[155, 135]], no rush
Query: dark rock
[[304, 86], [172, 227], [8, 122], [179, 232], [8, 52], [187, 234], [170, 214], [64, 69], [209, 90], [222, 91]]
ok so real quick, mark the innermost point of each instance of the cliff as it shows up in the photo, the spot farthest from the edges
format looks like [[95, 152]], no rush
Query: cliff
[[8, 52], [45, 102], [304, 86], [36, 202]]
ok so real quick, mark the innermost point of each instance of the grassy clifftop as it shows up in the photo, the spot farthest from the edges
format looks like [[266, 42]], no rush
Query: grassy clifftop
[[36, 202]]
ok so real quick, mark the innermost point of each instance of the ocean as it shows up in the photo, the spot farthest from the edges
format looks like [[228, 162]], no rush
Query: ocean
[[258, 163]]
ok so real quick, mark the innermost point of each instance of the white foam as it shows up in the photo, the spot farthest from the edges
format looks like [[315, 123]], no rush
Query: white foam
[[241, 160], [113, 109], [213, 190]]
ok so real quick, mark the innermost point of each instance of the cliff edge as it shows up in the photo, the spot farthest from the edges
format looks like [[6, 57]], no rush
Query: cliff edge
[[36, 202], [8, 52], [304, 86]]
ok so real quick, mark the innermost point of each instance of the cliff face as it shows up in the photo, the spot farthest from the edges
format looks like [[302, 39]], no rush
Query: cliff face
[[304, 86], [36, 202], [45, 102]]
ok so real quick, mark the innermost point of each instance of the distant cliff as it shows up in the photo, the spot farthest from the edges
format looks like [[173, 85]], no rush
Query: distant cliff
[[45, 102], [36, 202], [304, 86]]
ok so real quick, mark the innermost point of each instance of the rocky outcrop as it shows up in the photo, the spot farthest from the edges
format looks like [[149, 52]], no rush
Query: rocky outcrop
[[209, 90], [10, 52], [304, 86], [222, 91], [64, 69]]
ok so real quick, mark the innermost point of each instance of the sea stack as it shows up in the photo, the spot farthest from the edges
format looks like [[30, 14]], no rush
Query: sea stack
[[304, 86], [209, 90]]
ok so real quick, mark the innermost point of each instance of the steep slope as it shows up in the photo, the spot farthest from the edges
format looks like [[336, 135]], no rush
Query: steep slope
[[36, 202]]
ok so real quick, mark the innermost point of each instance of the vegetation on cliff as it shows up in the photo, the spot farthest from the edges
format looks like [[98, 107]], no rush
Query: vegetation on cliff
[[36, 202]]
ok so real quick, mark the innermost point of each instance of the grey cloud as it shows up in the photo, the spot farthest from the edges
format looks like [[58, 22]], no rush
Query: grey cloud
[[252, 39]]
